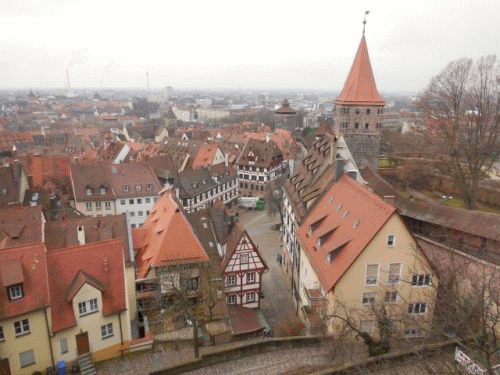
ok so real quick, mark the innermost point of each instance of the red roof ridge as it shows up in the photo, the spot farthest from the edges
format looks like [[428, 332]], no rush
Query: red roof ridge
[[360, 86]]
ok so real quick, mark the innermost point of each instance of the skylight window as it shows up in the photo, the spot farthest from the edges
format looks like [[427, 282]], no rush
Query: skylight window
[[339, 207], [355, 224]]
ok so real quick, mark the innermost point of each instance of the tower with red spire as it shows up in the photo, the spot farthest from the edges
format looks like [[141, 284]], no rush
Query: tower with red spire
[[359, 109]]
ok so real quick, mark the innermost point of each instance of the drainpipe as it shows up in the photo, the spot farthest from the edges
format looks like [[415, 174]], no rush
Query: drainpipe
[[50, 341], [121, 332]]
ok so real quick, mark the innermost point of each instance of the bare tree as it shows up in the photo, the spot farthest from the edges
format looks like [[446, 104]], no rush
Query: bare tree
[[274, 198], [463, 120]]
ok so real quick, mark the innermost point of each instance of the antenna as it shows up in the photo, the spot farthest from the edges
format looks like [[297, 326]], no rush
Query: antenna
[[367, 12]]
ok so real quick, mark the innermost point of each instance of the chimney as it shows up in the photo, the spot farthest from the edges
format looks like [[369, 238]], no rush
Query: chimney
[[338, 169], [80, 233], [226, 160], [268, 137]]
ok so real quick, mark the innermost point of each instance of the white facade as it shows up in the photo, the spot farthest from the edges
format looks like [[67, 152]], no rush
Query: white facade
[[136, 208]]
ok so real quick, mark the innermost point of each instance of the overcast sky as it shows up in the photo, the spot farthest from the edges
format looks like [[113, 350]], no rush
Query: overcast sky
[[237, 44]]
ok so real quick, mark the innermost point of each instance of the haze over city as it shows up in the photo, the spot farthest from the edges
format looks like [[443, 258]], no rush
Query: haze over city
[[228, 45]]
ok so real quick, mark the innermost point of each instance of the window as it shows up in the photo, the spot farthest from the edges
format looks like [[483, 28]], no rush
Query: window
[[15, 292], [356, 125], [251, 297], [391, 296], [87, 307], [148, 200], [130, 201], [88, 206], [149, 187], [394, 274], [132, 225], [251, 277], [421, 280], [132, 214], [107, 330], [22, 327], [231, 280], [125, 188], [102, 190], [413, 332], [244, 258], [138, 187], [26, 358], [391, 240], [98, 205], [122, 202], [369, 298], [140, 213], [231, 299], [88, 191], [2, 337], [64, 345], [139, 201], [371, 274], [417, 308], [368, 111], [107, 205], [155, 200]]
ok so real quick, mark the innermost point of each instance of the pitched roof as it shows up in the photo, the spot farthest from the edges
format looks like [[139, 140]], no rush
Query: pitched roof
[[63, 233], [166, 238], [93, 177], [341, 223], [139, 178], [99, 264], [360, 87], [205, 155], [244, 320], [8, 186], [260, 153], [20, 225], [27, 265]]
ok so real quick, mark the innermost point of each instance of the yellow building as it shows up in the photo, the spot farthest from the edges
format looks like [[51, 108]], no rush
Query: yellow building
[[360, 265]]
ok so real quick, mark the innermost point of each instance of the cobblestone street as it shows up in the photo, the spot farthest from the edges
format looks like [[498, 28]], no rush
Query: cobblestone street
[[277, 305]]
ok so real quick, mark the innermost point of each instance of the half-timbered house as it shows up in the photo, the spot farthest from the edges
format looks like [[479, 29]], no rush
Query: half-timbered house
[[242, 268]]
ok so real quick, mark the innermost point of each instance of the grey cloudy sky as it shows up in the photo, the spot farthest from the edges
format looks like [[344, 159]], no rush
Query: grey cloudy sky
[[237, 44]]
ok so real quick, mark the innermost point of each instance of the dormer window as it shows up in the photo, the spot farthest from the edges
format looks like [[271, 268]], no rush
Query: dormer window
[[88, 190], [149, 187], [138, 187], [102, 190], [125, 188], [15, 292]]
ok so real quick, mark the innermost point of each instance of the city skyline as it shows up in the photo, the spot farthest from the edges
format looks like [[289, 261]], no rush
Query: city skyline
[[211, 46]]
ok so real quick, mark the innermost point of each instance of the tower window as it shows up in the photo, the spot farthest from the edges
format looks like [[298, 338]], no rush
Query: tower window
[[368, 111], [367, 126], [356, 125]]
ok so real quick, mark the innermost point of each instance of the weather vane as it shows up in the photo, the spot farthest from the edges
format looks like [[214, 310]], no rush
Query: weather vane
[[367, 12]]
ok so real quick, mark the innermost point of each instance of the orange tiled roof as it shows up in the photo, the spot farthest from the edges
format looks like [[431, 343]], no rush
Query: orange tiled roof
[[347, 217], [360, 87], [166, 238], [99, 264], [205, 155], [26, 265]]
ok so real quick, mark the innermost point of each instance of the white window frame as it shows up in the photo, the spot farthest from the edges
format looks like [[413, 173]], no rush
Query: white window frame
[[123, 202], [421, 280], [107, 331], [250, 277], [389, 296], [231, 299], [64, 345], [88, 206], [15, 292], [244, 258], [88, 307], [251, 297], [88, 191], [232, 280], [416, 308], [368, 298], [107, 205], [27, 358], [370, 284], [394, 279], [391, 240], [139, 200], [98, 205], [147, 200], [22, 327]]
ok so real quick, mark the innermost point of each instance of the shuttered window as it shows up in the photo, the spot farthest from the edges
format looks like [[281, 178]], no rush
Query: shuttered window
[[26, 358]]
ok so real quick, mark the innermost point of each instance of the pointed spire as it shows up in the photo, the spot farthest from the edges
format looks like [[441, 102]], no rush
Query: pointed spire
[[360, 87]]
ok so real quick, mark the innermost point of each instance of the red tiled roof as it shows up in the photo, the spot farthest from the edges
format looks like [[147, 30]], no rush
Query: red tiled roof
[[101, 264], [347, 216], [205, 155], [360, 87], [20, 225], [243, 320], [27, 265], [166, 238]]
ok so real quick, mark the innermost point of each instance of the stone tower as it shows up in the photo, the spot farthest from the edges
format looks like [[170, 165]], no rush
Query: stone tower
[[359, 110], [285, 117]]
